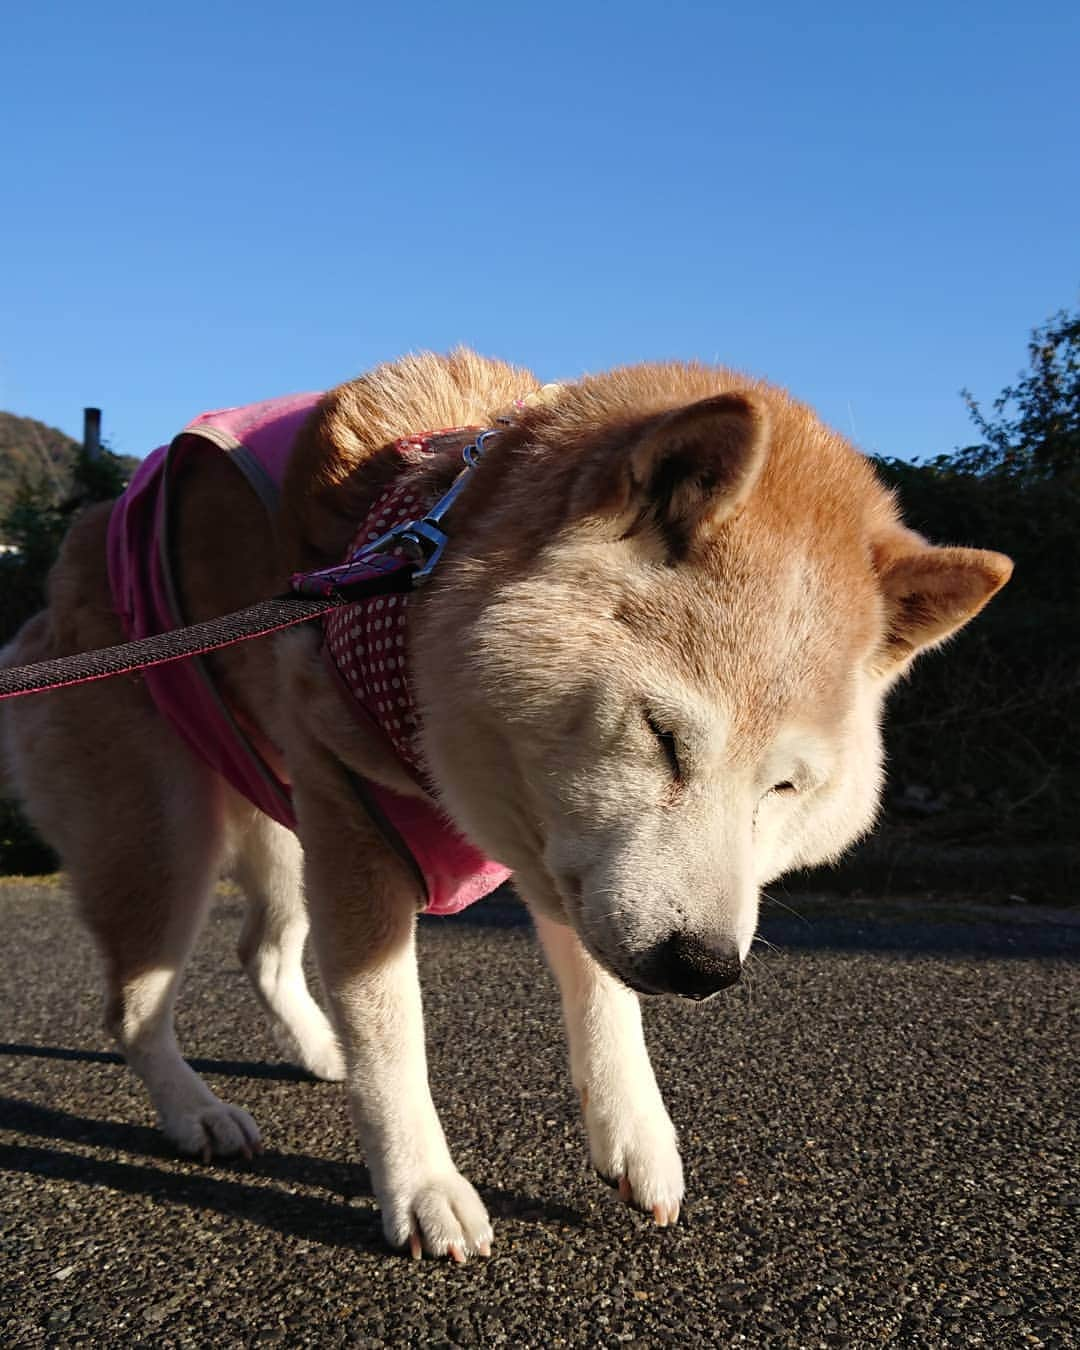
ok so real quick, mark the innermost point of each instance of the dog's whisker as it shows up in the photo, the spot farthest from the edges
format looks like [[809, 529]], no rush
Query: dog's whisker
[[773, 900]]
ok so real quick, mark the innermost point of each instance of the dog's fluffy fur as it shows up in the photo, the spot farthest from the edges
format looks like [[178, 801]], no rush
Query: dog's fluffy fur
[[650, 670]]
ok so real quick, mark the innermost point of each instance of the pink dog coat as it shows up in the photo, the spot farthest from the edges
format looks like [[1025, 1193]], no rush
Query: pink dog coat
[[365, 644]]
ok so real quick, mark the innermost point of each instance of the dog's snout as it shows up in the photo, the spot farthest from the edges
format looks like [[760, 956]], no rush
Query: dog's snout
[[687, 965]]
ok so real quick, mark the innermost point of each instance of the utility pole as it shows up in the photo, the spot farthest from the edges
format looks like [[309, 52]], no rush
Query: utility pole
[[91, 437]]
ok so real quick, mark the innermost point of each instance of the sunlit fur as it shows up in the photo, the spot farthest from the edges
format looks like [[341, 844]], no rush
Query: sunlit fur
[[763, 651], [650, 671]]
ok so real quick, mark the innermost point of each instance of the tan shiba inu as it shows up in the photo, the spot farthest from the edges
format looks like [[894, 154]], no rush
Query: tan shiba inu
[[648, 675]]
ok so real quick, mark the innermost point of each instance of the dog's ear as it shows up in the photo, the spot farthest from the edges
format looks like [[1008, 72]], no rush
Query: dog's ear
[[929, 593], [695, 468], [685, 473]]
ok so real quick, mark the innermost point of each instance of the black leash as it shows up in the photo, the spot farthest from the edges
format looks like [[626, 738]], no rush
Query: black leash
[[268, 616], [258, 620]]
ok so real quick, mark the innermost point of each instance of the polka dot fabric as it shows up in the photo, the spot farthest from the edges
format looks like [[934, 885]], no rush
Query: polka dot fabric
[[367, 641]]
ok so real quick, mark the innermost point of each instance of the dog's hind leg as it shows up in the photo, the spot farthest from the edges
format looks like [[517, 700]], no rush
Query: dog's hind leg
[[146, 917], [141, 835], [269, 869], [140, 825], [631, 1138]]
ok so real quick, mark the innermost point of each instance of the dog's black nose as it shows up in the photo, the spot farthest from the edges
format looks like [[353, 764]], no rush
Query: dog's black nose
[[684, 964]]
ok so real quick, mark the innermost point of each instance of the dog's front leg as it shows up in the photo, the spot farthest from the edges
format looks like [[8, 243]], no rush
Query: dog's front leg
[[362, 904], [369, 970], [425, 1201], [362, 921], [631, 1138]]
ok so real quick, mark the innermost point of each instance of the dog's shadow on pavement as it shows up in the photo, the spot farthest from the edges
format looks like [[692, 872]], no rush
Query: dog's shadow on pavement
[[231, 1068], [345, 1217]]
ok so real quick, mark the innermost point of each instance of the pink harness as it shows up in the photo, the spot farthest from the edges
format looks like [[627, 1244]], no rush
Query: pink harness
[[365, 644]]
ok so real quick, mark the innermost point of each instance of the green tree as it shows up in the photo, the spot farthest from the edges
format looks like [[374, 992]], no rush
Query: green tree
[[1035, 424], [34, 526], [986, 735]]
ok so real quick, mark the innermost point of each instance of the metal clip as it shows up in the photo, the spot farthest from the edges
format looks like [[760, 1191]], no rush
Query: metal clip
[[424, 541]]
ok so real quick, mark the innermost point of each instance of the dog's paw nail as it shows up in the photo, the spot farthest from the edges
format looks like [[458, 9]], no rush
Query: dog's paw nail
[[446, 1218], [483, 1248], [626, 1195]]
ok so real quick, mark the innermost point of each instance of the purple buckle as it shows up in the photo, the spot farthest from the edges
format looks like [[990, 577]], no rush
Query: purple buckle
[[365, 574]]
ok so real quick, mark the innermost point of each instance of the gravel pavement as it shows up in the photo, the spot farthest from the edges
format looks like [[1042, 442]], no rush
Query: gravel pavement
[[879, 1129]]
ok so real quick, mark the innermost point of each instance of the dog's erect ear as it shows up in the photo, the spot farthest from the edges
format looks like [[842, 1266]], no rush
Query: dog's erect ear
[[685, 474], [695, 468], [929, 593]]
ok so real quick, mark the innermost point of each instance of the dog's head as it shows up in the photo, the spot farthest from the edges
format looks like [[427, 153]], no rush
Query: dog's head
[[653, 669]]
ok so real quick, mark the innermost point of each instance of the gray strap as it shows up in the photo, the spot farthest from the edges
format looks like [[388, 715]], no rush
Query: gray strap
[[258, 479]]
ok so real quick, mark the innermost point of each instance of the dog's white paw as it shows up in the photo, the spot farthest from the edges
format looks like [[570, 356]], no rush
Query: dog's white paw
[[213, 1129], [323, 1058], [640, 1153], [317, 1050], [441, 1215], [303, 1032]]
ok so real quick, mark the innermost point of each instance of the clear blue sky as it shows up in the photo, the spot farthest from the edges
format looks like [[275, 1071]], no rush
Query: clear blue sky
[[210, 204]]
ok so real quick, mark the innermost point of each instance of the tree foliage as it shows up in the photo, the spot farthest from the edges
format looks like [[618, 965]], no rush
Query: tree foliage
[[35, 454], [1034, 428], [33, 525], [982, 741]]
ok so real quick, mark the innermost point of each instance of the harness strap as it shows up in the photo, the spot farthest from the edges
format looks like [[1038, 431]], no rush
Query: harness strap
[[361, 789]]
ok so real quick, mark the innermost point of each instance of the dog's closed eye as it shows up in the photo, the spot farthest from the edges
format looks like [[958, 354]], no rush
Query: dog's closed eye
[[667, 742]]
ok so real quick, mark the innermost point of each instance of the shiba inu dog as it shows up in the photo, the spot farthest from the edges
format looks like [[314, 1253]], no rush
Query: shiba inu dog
[[646, 677]]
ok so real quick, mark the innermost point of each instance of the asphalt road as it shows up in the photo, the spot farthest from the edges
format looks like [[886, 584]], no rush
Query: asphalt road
[[879, 1129]]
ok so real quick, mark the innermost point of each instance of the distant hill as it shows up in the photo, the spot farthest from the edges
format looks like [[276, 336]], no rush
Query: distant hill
[[32, 452]]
